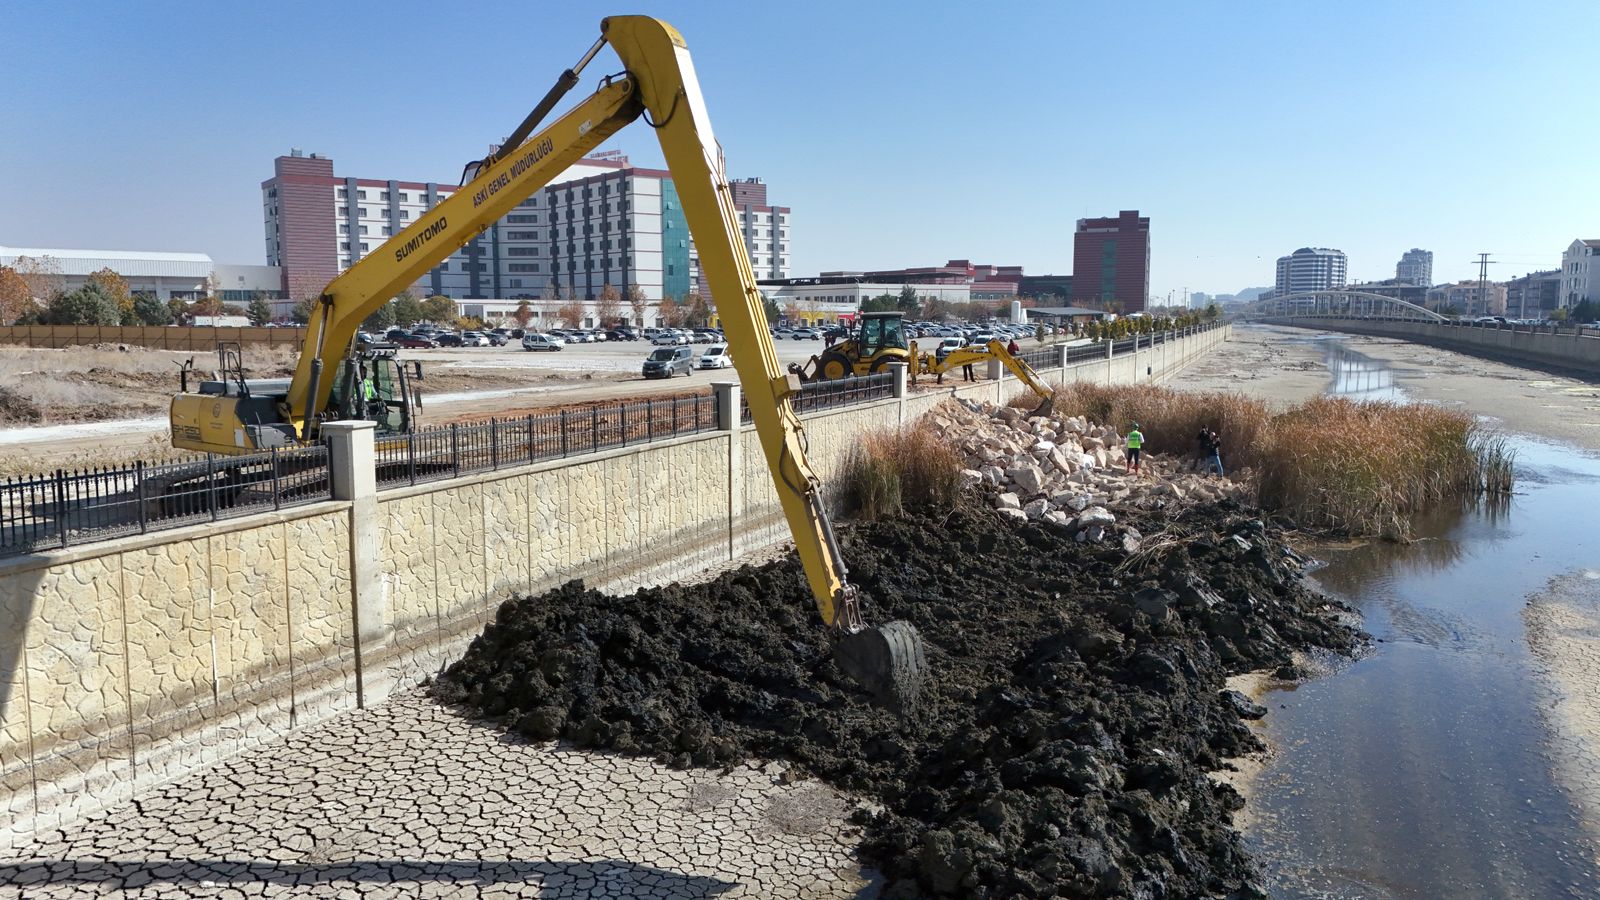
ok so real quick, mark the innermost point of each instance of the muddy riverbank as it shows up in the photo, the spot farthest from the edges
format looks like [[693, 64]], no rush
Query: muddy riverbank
[[1077, 699]]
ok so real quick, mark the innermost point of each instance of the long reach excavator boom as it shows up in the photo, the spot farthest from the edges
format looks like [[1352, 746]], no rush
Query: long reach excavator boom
[[658, 83]]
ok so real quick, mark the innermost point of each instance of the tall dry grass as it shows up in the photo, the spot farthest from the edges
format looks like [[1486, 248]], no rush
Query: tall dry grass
[[1332, 463], [893, 471]]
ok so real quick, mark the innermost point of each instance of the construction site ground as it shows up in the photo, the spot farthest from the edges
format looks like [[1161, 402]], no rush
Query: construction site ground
[[100, 405]]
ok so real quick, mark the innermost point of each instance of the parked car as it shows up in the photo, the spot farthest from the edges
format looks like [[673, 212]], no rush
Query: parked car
[[498, 340], [474, 339], [716, 357], [706, 337], [617, 334], [414, 341], [449, 340], [806, 334], [664, 362], [667, 338], [536, 341]]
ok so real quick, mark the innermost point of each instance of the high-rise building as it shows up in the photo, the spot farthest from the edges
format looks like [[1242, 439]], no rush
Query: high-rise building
[[1415, 267], [1310, 269], [1111, 260], [600, 222]]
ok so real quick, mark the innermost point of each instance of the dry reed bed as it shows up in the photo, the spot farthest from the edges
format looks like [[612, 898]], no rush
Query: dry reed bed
[[1327, 463]]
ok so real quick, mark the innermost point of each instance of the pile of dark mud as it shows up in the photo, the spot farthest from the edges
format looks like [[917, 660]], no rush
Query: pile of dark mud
[[1075, 703]]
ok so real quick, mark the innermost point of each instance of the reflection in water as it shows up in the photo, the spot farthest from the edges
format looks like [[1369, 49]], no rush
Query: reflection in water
[[1358, 376], [1424, 770]]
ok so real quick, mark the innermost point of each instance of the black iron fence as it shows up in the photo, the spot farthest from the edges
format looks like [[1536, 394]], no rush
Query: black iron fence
[[67, 507], [446, 451], [830, 394]]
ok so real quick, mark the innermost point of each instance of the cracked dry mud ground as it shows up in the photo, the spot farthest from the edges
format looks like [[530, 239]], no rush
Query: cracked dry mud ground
[[411, 800]]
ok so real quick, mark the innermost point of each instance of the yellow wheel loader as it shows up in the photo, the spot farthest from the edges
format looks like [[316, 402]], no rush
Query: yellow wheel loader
[[657, 83], [880, 339]]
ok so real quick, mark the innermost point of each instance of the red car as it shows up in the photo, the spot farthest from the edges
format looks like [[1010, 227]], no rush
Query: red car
[[413, 342]]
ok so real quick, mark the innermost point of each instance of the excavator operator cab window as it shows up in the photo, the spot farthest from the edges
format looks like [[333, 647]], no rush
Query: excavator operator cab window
[[881, 334]]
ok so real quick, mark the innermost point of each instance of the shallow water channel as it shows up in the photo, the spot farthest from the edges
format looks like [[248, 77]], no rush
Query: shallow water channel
[[1424, 770]]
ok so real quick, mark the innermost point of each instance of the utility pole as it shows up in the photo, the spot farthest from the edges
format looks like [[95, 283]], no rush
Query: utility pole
[[1483, 284], [1186, 297]]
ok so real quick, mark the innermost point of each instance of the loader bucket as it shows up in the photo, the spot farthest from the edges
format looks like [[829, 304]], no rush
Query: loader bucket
[[888, 661]]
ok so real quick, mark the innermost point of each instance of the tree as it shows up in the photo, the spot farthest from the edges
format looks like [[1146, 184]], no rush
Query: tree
[[88, 305], [439, 308], [1586, 311], [260, 311], [381, 320], [881, 303], [16, 300], [149, 310], [523, 314], [116, 287], [696, 312], [206, 306], [406, 310], [908, 302], [570, 314], [608, 306], [177, 311], [671, 312], [769, 307], [1213, 312], [301, 314], [638, 301], [42, 274], [934, 309], [791, 312]]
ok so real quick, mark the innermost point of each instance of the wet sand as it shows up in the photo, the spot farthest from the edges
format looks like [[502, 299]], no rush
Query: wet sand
[[1285, 365], [1564, 634]]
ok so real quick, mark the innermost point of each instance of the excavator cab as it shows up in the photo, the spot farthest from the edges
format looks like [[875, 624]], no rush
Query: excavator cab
[[374, 386]]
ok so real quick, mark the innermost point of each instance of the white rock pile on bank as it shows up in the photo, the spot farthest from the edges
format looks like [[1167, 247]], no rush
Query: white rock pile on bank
[[1069, 471]]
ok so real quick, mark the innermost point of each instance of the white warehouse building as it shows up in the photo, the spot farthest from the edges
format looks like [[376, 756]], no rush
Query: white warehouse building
[[182, 276]]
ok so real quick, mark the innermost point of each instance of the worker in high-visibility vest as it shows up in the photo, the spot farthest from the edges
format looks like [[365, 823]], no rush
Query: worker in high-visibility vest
[[1135, 446]]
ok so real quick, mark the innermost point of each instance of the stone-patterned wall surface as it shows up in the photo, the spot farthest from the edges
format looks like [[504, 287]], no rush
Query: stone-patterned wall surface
[[132, 665], [128, 663]]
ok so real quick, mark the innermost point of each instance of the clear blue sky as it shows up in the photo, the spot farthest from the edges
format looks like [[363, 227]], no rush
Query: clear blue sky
[[901, 133]]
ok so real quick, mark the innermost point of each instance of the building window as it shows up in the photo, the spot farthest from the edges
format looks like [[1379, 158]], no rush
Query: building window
[[522, 251], [365, 214], [522, 235], [404, 197], [384, 195], [363, 229], [515, 282], [521, 220], [387, 231], [405, 214], [344, 245], [344, 193], [364, 247], [522, 267], [344, 229]]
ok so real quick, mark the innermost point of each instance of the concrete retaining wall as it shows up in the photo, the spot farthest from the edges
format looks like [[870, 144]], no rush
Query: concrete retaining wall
[[128, 663], [1572, 351]]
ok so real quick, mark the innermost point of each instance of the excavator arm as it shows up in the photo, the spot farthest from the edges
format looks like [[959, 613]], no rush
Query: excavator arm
[[887, 660], [504, 180], [658, 84]]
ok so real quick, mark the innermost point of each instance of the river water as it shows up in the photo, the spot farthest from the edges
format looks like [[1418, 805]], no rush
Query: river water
[[1424, 770]]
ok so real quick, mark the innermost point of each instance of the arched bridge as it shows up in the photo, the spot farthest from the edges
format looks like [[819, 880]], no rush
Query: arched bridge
[[1345, 305]]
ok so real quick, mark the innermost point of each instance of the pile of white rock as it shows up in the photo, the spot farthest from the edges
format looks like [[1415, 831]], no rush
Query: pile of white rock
[[1066, 471]]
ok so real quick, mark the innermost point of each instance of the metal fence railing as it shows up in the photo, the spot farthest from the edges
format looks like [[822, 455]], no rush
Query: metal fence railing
[[67, 507], [830, 394], [446, 451]]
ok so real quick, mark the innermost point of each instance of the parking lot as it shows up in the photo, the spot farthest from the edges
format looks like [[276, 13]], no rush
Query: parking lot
[[610, 357]]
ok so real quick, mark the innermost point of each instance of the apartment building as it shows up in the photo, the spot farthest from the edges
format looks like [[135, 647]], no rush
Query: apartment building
[[602, 221]]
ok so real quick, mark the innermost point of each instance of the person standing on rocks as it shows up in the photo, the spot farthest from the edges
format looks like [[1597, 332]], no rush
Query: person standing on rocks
[[1210, 451], [1135, 447]]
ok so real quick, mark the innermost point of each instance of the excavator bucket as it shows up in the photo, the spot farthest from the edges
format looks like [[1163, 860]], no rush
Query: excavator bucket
[[888, 661]]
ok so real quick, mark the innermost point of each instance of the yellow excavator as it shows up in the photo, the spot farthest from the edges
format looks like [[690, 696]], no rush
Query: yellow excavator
[[658, 83], [880, 339]]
